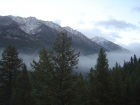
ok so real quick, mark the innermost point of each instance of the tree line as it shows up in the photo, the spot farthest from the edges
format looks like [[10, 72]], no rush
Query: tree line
[[52, 80]]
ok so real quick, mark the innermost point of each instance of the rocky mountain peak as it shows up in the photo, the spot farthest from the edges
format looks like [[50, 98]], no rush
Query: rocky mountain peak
[[108, 44]]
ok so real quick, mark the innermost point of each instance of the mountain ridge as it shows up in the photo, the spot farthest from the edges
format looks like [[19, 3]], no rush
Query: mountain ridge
[[108, 44], [43, 33]]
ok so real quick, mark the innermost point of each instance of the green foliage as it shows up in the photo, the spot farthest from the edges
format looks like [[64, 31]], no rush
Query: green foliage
[[53, 73], [64, 61], [119, 90], [53, 82], [23, 88], [92, 88], [103, 78], [10, 66], [137, 92], [42, 78]]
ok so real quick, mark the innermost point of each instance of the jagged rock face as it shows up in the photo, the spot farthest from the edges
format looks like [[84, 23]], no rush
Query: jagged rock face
[[30, 35], [108, 44]]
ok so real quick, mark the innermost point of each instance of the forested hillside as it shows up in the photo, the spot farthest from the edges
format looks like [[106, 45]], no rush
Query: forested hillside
[[53, 81]]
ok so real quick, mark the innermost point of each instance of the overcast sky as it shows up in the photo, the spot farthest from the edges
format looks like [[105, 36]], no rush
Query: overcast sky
[[115, 20]]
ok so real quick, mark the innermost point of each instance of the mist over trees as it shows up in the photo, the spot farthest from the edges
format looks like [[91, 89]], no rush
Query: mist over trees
[[53, 79]]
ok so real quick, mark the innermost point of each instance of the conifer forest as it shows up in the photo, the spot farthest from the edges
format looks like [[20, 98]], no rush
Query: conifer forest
[[54, 81]]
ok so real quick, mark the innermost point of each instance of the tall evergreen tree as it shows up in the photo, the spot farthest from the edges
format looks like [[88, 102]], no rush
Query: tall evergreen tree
[[125, 70], [64, 60], [23, 88], [135, 61], [137, 92], [128, 91], [103, 78], [42, 78], [131, 66], [119, 86], [10, 66], [137, 71], [81, 91], [92, 88]]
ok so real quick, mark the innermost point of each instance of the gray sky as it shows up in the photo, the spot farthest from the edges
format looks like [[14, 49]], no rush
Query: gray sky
[[115, 20]]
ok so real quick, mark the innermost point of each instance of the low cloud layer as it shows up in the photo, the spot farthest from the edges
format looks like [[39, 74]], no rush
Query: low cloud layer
[[28, 59], [86, 62], [134, 48], [116, 24]]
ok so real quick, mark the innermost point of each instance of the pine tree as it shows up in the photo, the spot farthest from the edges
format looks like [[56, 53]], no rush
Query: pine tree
[[137, 71], [131, 66], [125, 71], [81, 91], [23, 88], [42, 78], [128, 91], [135, 61], [119, 86], [103, 78], [137, 92], [10, 66], [92, 88], [64, 60]]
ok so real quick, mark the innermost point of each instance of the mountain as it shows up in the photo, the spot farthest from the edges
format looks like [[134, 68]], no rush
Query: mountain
[[24, 34], [110, 46], [29, 35]]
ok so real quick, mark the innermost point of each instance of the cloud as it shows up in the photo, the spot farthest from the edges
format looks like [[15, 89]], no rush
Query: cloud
[[116, 24], [86, 62], [28, 59], [81, 23], [136, 9], [134, 47], [111, 36], [1, 12]]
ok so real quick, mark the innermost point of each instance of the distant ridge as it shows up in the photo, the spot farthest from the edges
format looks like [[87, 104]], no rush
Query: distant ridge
[[30, 35], [108, 44]]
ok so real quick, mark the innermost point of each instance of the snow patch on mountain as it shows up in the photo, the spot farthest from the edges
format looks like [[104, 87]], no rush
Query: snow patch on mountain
[[29, 25], [80, 36], [75, 32], [53, 26], [107, 44], [72, 31], [99, 40]]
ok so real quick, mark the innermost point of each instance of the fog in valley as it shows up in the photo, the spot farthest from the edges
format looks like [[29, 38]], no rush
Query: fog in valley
[[28, 59], [86, 62]]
